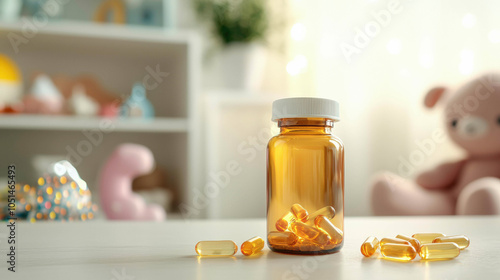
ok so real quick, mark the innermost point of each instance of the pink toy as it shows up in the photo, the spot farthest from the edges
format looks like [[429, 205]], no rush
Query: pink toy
[[117, 199], [470, 186]]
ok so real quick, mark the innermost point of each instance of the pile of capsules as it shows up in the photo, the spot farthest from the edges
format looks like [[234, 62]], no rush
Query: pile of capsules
[[430, 246], [298, 230], [228, 248]]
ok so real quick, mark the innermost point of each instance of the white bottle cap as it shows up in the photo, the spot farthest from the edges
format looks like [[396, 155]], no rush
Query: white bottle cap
[[305, 107]]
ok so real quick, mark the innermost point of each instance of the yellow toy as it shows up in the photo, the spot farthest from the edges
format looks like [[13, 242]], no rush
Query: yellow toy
[[10, 85]]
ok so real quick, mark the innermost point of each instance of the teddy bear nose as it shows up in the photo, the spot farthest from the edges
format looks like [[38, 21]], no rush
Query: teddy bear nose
[[472, 127]]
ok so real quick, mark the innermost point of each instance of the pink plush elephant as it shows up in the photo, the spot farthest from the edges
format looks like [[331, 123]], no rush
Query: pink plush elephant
[[470, 186], [115, 185]]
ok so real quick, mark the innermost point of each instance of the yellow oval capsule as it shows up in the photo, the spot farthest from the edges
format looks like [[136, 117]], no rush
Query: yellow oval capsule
[[398, 252], [335, 234], [328, 212], [435, 251], [414, 242], [425, 238], [300, 212], [281, 238], [252, 246], [216, 248], [393, 241], [370, 246], [307, 245], [285, 221], [461, 240]]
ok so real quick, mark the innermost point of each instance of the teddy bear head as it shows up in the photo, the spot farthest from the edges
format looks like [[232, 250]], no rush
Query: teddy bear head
[[472, 114]]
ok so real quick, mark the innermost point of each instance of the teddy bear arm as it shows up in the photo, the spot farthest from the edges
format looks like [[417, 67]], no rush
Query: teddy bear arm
[[441, 177]]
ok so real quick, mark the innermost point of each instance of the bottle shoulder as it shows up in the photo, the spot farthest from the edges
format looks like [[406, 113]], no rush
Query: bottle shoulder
[[306, 140]]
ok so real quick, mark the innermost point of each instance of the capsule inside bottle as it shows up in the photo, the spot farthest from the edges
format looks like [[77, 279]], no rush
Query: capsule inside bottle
[[328, 212], [282, 238], [461, 240], [435, 251], [398, 252], [310, 233], [335, 234], [414, 242], [300, 212], [285, 221], [370, 246], [252, 246], [425, 238], [216, 248]]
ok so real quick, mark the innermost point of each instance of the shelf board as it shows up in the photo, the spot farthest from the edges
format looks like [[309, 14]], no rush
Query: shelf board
[[75, 123], [106, 31]]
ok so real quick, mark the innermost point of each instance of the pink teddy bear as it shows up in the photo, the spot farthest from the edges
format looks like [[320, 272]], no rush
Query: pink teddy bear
[[470, 186]]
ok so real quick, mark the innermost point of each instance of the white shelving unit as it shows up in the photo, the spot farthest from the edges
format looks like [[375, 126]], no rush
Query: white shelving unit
[[118, 56]]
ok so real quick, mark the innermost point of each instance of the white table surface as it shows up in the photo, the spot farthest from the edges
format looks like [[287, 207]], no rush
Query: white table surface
[[140, 250]]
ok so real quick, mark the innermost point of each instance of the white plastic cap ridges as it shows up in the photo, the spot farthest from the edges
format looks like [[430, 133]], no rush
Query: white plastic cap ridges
[[305, 107]]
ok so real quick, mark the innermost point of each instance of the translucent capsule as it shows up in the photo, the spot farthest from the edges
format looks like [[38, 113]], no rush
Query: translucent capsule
[[335, 234], [461, 240], [252, 246], [311, 233], [425, 238], [398, 252], [328, 212], [414, 242], [307, 245], [282, 238], [435, 251], [300, 212], [370, 246], [285, 221], [386, 240], [216, 248]]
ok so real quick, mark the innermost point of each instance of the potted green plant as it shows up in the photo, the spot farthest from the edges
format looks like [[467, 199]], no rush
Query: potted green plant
[[240, 27]]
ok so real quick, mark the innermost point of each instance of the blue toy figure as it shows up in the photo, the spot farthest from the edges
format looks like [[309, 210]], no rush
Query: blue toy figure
[[137, 105]]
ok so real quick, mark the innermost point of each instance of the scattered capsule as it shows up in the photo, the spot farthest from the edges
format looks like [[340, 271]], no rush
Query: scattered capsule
[[414, 242], [311, 233], [435, 251], [398, 252], [425, 238], [252, 246], [300, 212], [386, 240], [282, 238], [285, 221], [335, 234], [328, 212], [461, 240], [216, 248], [370, 246]]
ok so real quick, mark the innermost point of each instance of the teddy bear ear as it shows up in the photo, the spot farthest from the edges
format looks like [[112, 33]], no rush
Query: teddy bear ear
[[432, 97]]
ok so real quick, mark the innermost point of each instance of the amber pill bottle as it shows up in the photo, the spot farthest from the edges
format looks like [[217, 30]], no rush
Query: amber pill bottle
[[305, 166]]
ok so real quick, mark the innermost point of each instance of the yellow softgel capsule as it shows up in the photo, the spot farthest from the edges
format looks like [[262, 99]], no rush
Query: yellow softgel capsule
[[328, 212], [425, 238], [307, 245], [398, 252], [282, 238], [370, 246], [461, 240], [216, 248], [300, 212], [435, 251], [393, 241], [285, 221], [311, 233], [252, 246], [414, 242], [335, 234]]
